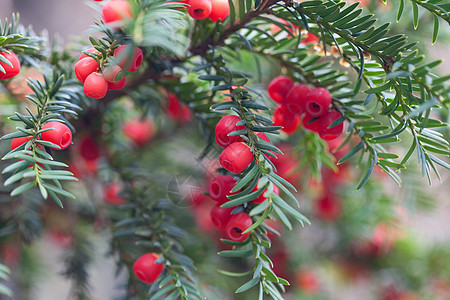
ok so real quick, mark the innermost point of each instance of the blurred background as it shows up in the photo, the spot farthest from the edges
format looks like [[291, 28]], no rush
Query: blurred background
[[381, 243]]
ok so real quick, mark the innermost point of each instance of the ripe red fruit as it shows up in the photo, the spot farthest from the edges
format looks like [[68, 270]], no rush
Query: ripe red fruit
[[261, 198], [85, 67], [220, 9], [236, 157], [317, 102], [146, 269], [283, 117], [139, 131], [279, 87], [220, 186], [237, 224], [10, 71], [295, 99], [17, 142], [310, 38], [115, 11], [225, 126], [95, 86], [199, 9], [311, 124], [129, 57], [59, 135], [220, 216], [325, 121], [111, 192], [87, 148]]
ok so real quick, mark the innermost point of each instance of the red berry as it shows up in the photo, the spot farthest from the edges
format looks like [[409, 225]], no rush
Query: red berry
[[85, 67], [59, 135], [236, 157], [139, 131], [17, 142], [91, 50], [279, 87], [325, 121], [220, 216], [295, 99], [224, 127], [111, 194], [311, 123], [220, 187], [199, 9], [115, 11], [317, 102], [262, 197], [10, 71], [129, 57], [220, 9], [146, 269], [310, 38], [237, 224], [283, 117], [95, 86], [117, 85]]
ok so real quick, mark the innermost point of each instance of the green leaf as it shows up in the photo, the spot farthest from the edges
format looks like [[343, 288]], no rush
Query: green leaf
[[252, 173], [243, 199], [368, 172], [400, 9], [58, 190], [259, 221], [236, 253], [278, 201], [248, 285], [20, 189], [415, 14], [435, 29], [352, 152], [233, 274], [163, 291]]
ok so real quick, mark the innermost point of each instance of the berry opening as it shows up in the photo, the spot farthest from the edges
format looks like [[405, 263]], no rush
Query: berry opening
[[228, 165], [215, 189], [65, 140], [198, 10], [314, 107], [236, 233], [138, 62]]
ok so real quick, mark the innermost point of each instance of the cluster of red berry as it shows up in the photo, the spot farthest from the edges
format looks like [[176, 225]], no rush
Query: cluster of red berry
[[296, 100], [10, 69], [237, 155], [98, 78], [215, 10], [56, 133]]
